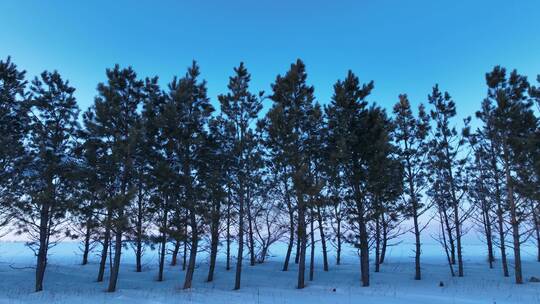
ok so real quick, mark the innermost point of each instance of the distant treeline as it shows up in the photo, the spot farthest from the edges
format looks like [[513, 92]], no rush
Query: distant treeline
[[160, 166]]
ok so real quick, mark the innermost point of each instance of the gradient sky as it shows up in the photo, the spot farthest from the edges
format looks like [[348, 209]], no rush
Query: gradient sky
[[404, 46]]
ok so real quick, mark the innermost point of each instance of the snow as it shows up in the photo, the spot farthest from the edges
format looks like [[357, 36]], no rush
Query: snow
[[68, 282]]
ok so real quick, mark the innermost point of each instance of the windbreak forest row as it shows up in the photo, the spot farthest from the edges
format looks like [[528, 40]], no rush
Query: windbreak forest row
[[153, 167]]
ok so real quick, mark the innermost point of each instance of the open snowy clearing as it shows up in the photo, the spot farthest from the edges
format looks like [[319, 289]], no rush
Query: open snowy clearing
[[68, 282]]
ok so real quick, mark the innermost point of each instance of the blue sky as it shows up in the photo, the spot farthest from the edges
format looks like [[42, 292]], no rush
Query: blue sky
[[404, 46]]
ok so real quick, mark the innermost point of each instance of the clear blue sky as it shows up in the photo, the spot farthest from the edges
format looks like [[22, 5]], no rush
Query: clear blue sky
[[404, 46]]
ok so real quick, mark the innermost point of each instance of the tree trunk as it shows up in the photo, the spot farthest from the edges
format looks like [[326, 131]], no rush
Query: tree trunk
[[43, 246], [452, 248], [87, 236], [445, 245], [536, 230], [377, 244], [513, 221], [250, 237], [384, 241], [117, 254], [323, 239], [298, 247], [302, 237], [228, 262], [500, 212], [105, 249], [174, 259], [312, 249], [458, 239], [338, 236], [239, 256], [139, 232], [193, 251], [417, 251], [163, 244], [291, 231], [214, 231]]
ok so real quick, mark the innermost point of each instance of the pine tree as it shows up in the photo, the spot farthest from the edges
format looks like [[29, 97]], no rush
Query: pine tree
[[48, 180], [189, 109], [286, 135], [411, 135], [240, 108], [347, 117], [447, 162], [115, 121], [514, 123], [13, 119]]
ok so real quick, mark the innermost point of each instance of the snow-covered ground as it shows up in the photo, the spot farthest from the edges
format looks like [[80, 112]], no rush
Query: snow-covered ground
[[68, 282]]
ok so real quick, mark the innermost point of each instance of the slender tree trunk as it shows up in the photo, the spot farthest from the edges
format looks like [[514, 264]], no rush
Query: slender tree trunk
[[298, 247], [228, 262], [312, 247], [117, 254], [489, 237], [364, 253], [239, 256], [338, 237], [418, 250], [513, 221], [302, 237], [139, 232], [250, 237], [323, 238], [291, 231], [458, 239], [500, 211], [214, 236], [176, 249], [163, 245], [105, 249], [87, 236], [450, 238], [445, 244], [536, 230], [184, 258], [193, 251], [43, 246], [377, 244], [384, 240]]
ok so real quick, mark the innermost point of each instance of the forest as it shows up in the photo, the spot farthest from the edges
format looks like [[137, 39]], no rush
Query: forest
[[165, 168]]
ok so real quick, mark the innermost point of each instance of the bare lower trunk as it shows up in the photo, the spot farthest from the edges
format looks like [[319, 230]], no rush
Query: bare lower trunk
[[213, 247], [302, 237], [105, 249], [228, 262], [338, 236], [500, 222], [364, 253], [384, 240], [445, 245], [377, 244], [458, 239], [163, 246], [86, 249], [291, 235], [250, 238], [239, 256], [117, 254], [417, 251], [452, 247], [176, 249], [193, 251], [43, 246], [323, 239], [312, 249]]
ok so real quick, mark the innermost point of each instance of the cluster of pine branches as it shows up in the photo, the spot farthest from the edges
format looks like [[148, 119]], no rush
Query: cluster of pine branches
[[147, 167]]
